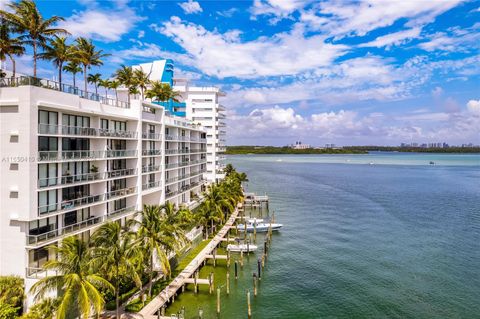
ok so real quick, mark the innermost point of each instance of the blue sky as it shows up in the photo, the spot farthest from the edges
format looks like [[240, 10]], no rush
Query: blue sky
[[344, 72]]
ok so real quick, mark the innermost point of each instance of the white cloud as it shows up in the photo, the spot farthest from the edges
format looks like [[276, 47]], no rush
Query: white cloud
[[275, 125], [227, 13], [474, 107], [279, 9], [191, 7], [224, 55], [454, 40], [141, 34], [437, 92], [342, 18], [394, 39], [108, 26]]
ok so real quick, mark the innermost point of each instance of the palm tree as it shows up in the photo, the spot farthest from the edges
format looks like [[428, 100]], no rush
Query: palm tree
[[162, 92], [86, 54], [9, 47], [78, 286], [58, 52], [94, 78], [142, 79], [133, 90], [216, 201], [26, 19], [114, 84], [124, 75], [106, 84], [117, 255], [159, 235], [73, 68]]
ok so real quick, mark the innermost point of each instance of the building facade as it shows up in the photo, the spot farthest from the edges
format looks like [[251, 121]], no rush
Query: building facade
[[71, 163], [199, 104]]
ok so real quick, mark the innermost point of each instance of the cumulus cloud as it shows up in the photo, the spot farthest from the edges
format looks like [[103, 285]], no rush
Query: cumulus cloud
[[191, 7], [454, 40], [275, 125], [394, 39], [342, 18], [278, 9], [474, 107], [225, 55], [108, 26]]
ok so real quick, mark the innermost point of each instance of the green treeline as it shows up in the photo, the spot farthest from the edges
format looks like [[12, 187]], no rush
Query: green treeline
[[244, 149], [288, 150]]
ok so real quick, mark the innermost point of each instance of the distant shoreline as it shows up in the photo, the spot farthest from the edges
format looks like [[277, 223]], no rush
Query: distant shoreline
[[274, 150]]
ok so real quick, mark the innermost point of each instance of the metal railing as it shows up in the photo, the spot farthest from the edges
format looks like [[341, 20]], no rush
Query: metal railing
[[151, 185], [36, 239], [65, 88], [120, 172], [151, 152], [68, 204], [151, 136], [150, 168], [121, 211], [68, 155], [120, 153], [85, 177]]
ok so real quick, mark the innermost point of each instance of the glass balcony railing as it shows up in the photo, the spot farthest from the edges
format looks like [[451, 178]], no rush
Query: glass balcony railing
[[151, 185], [120, 153], [65, 88], [151, 136], [150, 168], [151, 152], [70, 204]]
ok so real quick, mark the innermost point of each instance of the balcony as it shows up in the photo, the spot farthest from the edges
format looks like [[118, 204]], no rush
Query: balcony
[[120, 212], [121, 173], [76, 203], [50, 156], [177, 151], [151, 152], [150, 168], [151, 136], [65, 88], [49, 129], [151, 185], [83, 178], [120, 153], [35, 240]]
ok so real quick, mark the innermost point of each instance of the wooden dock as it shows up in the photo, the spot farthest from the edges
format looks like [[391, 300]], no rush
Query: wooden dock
[[150, 310]]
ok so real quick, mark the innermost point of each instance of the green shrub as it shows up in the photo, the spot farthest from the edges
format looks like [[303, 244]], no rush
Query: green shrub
[[7, 311], [12, 292]]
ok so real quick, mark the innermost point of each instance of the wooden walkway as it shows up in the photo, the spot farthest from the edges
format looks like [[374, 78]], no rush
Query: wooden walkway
[[161, 299]]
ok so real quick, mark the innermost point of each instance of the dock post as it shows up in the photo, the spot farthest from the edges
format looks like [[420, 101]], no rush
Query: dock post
[[228, 259], [228, 283], [265, 248], [218, 300], [214, 260], [263, 260], [254, 284], [259, 266], [241, 258], [210, 283], [245, 231], [255, 232], [195, 282], [236, 270], [248, 305], [162, 311], [273, 217], [183, 288]]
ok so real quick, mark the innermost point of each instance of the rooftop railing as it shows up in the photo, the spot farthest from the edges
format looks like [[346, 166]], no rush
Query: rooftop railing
[[65, 88]]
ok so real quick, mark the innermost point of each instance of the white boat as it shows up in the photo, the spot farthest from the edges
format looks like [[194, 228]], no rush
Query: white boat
[[246, 248], [254, 220], [260, 227]]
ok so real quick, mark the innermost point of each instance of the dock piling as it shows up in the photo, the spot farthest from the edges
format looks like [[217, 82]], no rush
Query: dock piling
[[254, 284], [218, 300], [259, 266], [236, 270], [249, 308], [228, 283]]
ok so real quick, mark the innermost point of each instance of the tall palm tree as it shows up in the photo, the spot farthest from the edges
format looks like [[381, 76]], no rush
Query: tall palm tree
[[124, 75], [26, 19], [94, 79], [162, 92], [9, 47], [142, 79], [215, 199], [58, 52], [74, 68], [149, 237], [78, 287], [114, 84], [117, 255], [105, 83], [87, 55]]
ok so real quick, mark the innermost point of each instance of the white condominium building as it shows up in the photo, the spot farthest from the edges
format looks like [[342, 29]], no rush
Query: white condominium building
[[71, 163], [200, 105]]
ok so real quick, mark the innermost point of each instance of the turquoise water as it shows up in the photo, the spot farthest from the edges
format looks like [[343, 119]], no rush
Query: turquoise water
[[396, 239]]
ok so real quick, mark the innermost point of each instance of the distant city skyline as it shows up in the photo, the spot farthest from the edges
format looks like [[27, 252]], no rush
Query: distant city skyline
[[348, 73]]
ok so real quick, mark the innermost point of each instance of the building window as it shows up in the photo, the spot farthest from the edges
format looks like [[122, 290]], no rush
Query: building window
[[119, 126], [104, 124], [47, 174], [38, 257], [46, 144], [42, 226], [47, 201], [75, 120], [75, 144]]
